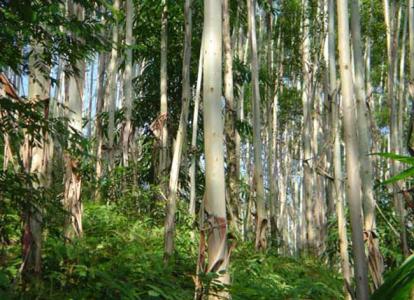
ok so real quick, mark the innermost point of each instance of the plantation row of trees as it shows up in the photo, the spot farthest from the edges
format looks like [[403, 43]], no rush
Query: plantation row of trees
[[284, 124]]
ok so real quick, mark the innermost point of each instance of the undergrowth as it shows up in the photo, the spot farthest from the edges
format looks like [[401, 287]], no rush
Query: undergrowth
[[121, 257]]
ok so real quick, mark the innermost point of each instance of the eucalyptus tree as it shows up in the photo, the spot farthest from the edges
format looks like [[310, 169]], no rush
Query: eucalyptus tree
[[129, 40], [163, 153], [74, 99], [390, 14], [36, 161], [230, 122], [169, 226], [261, 215], [100, 103], [336, 153], [214, 204], [194, 129], [374, 255], [308, 171], [352, 153], [111, 92]]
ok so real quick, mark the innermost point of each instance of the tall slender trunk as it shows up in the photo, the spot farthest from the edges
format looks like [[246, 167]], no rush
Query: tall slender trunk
[[129, 40], [192, 207], [169, 226], [376, 266], [112, 88], [163, 154], [261, 216], [214, 200], [230, 128], [74, 98], [36, 162], [308, 176], [390, 15], [272, 124], [100, 103], [336, 155], [89, 116], [352, 155]]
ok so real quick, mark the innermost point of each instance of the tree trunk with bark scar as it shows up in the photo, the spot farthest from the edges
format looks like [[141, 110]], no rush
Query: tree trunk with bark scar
[[72, 190], [215, 222]]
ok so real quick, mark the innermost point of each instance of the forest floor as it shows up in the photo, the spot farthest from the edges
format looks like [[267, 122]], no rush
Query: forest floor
[[121, 257]]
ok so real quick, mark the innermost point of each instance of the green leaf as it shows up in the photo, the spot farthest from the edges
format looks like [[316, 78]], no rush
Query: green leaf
[[404, 159], [399, 284], [401, 176]]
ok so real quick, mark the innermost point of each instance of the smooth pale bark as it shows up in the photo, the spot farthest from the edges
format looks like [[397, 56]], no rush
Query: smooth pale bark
[[395, 139], [214, 200], [169, 226], [336, 154], [272, 123], [261, 216], [401, 81], [352, 154], [112, 87], [35, 160], [308, 174], [74, 98], [192, 207], [163, 153], [89, 116], [230, 122], [129, 41], [100, 103], [374, 256]]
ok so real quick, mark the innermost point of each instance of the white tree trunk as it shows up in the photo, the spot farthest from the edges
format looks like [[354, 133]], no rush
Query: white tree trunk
[[336, 155], [163, 156], [230, 123], [192, 207], [374, 255], [36, 161], [169, 226], [112, 88], [261, 216], [72, 201], [352, 154], [308, 173], [214, 201], [128, 92]]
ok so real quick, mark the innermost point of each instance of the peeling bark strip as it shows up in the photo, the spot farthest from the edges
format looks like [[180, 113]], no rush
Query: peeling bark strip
[[214, 200], [74, 95], [72, 201], [35, 161], [213, 228]]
